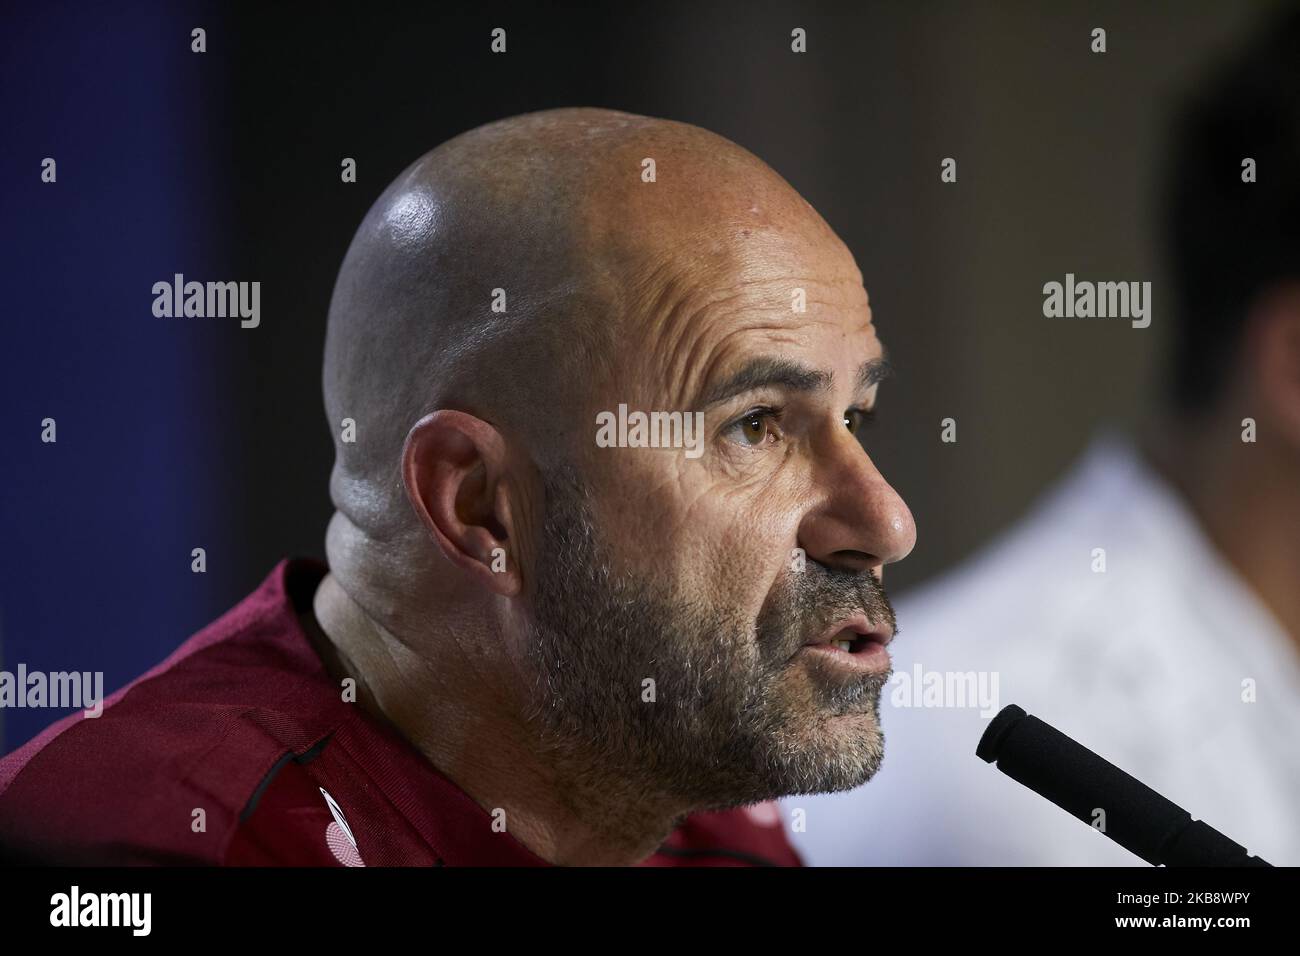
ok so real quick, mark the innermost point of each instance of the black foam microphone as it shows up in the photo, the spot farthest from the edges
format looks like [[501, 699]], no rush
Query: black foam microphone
[[1081, 783]]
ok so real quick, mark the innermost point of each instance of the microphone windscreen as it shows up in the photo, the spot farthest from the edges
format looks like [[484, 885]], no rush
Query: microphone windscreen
[[1100, 794]]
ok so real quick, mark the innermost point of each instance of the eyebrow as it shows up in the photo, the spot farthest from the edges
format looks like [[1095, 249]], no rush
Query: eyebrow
[[792, 376]]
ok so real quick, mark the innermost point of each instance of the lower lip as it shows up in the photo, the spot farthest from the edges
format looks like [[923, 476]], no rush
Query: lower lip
[[873, 658]]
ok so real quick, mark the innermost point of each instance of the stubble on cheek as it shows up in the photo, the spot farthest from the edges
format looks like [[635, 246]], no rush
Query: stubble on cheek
[[716, 623]]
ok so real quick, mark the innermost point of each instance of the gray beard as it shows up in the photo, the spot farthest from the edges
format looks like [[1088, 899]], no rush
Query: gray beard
[[727, 726]]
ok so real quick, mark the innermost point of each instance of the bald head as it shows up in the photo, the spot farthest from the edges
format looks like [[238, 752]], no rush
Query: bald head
[[510, 567], [561, 212]]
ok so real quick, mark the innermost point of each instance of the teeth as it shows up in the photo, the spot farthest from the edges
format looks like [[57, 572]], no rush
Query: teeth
[[844, 645]]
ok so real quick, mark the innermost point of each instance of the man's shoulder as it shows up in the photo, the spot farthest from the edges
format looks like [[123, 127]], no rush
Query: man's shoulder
[[163, 773]]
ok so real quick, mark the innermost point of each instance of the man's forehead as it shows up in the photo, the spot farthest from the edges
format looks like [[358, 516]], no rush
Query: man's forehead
[[820, 326], [735, 271], [822, 342]]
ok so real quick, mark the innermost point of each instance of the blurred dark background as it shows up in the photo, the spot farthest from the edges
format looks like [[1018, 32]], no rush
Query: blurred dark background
[[225, 165]]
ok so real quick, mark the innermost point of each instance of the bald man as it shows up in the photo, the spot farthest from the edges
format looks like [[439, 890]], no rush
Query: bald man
[[604, 573]]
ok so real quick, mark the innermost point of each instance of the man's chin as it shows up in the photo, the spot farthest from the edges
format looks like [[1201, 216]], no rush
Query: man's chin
[[839, 752], [853, 750]]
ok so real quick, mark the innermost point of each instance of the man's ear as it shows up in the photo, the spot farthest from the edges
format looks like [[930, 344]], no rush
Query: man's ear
[[1275, 343], [455, 469]]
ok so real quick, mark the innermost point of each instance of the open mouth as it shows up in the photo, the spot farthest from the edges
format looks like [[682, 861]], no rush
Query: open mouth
[[855, 643], [855, 634]]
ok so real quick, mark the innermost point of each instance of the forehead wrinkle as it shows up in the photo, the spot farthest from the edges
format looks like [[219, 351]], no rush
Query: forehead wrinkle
[[716, 353], [865, 377], [694, 359], [667, 340], [786, 332], [817, 292], [681, 304]]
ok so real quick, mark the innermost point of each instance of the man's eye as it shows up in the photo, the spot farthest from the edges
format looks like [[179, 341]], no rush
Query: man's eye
[[755, 428], [855, 418]]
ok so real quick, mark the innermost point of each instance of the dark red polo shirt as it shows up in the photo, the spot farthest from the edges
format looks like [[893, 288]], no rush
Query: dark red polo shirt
[[238, 749]]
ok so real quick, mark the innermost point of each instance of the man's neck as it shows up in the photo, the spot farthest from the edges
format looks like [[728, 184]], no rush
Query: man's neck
[[1246, 497], [456, 711]]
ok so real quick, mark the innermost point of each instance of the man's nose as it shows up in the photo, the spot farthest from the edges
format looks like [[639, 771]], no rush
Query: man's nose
[[862, 523]]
